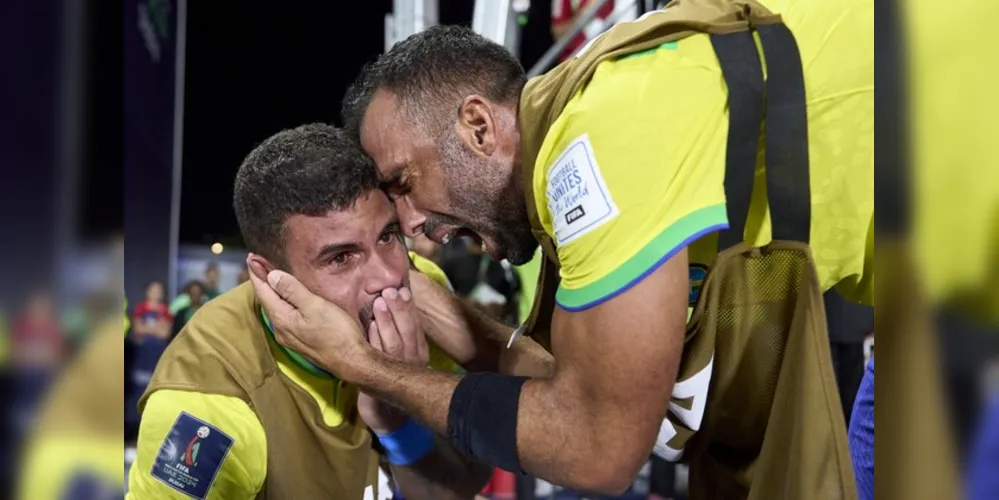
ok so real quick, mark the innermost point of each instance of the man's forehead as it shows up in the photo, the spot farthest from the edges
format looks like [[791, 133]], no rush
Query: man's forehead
[[366, 215], [382, 117], [388, 136]]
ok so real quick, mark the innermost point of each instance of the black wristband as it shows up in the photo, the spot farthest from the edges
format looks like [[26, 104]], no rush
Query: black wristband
[[482, 418]]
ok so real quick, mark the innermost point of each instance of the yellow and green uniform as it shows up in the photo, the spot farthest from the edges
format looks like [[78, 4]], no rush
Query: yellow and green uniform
[[75, 449], [528, 274], [954, 171], [243, 468], [632, 169], [632, 157]]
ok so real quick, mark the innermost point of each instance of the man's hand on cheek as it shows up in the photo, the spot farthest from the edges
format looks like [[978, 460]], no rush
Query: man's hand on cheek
[[308, 324]]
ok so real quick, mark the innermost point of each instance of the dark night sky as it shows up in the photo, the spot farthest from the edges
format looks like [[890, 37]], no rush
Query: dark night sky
[[254, 68]]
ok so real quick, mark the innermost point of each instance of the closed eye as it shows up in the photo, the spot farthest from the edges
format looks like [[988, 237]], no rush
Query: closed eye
[[396, 186]]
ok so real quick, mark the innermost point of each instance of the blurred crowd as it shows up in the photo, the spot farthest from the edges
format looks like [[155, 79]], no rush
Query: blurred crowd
[[151, 324], [37, 341], [500, 290], [43, 336]]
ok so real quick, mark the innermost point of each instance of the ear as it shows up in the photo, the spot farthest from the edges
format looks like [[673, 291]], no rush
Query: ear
[[477, 125], [259, 266]]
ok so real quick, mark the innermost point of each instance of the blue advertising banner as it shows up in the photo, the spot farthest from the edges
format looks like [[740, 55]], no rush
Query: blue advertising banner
[[152, 39]]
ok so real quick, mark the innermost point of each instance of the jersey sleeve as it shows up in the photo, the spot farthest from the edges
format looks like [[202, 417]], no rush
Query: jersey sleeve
[[179, 303], [194, 445], [431, 270], [636, 170]]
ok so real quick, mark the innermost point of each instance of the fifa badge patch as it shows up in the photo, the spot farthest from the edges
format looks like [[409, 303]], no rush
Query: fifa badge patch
[[577, 196], [191, 456]]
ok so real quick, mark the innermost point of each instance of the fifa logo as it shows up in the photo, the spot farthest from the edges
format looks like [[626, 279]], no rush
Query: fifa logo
[[191, 453], [575, 214]]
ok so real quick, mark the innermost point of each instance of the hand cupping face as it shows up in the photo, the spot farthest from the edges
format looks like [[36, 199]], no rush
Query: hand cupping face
[[397, 327], [307, 323], [395, 332]]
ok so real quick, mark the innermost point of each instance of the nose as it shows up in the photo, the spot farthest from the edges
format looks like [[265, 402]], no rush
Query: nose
[[410, 219], [386, 270]]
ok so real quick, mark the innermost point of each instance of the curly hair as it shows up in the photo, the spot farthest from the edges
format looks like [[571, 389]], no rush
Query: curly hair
[[309, 170]]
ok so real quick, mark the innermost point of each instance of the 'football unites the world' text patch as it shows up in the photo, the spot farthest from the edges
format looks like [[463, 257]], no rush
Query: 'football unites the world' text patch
[[578, 199], [191, 456]]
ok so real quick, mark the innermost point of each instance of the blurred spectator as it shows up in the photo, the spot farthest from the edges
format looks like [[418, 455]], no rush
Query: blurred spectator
[[565, 13], [492, 286], [152, 328], [850, 325], [37, 336], [244, 275], [209, 289], [983, 464], [497, 290], [151, 317], [37, 351], [75, 448], [95, 305], [196, 297], [461, 265], [861, 435]]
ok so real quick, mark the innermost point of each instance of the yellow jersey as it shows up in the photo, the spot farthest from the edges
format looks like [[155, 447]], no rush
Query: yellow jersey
[[226, 430], [955, 171], [632, 170], [75, 448]]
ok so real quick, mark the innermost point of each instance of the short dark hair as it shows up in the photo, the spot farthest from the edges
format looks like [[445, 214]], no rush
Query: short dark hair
[[310, 170], [191, 284], [431, 71]]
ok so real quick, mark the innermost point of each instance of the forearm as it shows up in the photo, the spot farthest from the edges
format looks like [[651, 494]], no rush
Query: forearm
[[443, 474], [477, 342], [139, 327], [562, 435], [419, 392], [459, 330], [569, 438], [524, 357]]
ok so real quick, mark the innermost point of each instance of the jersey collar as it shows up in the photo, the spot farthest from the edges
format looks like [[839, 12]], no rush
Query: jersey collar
[[295, 357]]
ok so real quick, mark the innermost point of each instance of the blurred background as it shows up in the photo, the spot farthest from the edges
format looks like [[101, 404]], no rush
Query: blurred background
[[201, 83]]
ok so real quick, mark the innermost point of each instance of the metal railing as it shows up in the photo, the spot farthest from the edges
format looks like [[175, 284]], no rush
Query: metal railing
[[498, 20], [589, 14], [408, 17]]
